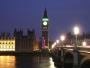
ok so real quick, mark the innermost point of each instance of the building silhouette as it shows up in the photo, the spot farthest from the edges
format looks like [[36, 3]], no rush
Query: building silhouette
[[19, 42], [25, 43]]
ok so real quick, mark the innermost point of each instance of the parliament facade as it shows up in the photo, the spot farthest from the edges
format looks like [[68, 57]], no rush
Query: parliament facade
[[18, 42]]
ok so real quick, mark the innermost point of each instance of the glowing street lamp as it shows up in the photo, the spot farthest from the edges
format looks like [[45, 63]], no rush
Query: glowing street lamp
[[76, 30], [84, 43], [62, 38], [57, 41], [53, 45]]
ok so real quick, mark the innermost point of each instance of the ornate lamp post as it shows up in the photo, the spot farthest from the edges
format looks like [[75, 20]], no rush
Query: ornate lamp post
[[76, 53], [76, 32], [62, 38]]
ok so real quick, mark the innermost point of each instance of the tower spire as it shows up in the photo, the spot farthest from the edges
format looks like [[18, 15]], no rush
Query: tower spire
[[45, 14], [45, 30]]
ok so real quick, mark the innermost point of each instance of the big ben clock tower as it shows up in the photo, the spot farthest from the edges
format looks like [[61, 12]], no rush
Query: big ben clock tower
[[45, 41]]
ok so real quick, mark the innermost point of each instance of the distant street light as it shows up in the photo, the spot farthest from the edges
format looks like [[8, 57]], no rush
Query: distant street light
[[62, 38], [57, 41], [53, 45], [84, 43]]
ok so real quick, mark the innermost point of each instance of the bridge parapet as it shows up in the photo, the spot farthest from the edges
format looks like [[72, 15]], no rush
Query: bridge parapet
[[83, 53]]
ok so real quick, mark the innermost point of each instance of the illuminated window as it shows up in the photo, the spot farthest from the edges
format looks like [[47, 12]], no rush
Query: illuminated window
[[4, 46], [9, 46]]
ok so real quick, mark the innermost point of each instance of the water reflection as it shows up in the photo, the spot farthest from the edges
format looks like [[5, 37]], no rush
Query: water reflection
[[51, 63], [7, 62], [43, 62], [26, 62]]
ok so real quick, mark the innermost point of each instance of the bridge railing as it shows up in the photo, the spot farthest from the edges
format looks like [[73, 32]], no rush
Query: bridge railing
[[85, 49]]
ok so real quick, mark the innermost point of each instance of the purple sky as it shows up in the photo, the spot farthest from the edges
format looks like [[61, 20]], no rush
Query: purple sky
[[63, 15]]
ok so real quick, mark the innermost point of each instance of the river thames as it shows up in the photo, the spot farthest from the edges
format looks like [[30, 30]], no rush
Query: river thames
[[26, 62]]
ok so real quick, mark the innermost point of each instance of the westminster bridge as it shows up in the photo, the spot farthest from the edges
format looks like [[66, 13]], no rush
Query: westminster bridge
[[69, 56]]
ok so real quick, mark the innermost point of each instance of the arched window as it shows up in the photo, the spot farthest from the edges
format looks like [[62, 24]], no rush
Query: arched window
[[9, 42]]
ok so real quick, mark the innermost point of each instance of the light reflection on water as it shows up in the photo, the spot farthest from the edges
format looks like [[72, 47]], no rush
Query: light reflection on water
[[7, 62], [26, 62], [51, 63]]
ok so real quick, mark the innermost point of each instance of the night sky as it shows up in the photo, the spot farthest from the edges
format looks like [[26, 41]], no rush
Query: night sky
[[63, 15]]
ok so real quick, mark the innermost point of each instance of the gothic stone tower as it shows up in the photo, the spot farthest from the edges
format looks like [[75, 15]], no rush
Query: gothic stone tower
[[45, 41]]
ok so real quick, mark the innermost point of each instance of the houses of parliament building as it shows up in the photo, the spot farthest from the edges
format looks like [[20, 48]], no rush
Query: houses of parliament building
[[18, 42]]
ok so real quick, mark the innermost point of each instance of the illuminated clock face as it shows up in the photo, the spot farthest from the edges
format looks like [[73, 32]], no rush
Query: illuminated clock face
[[44, 23]]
